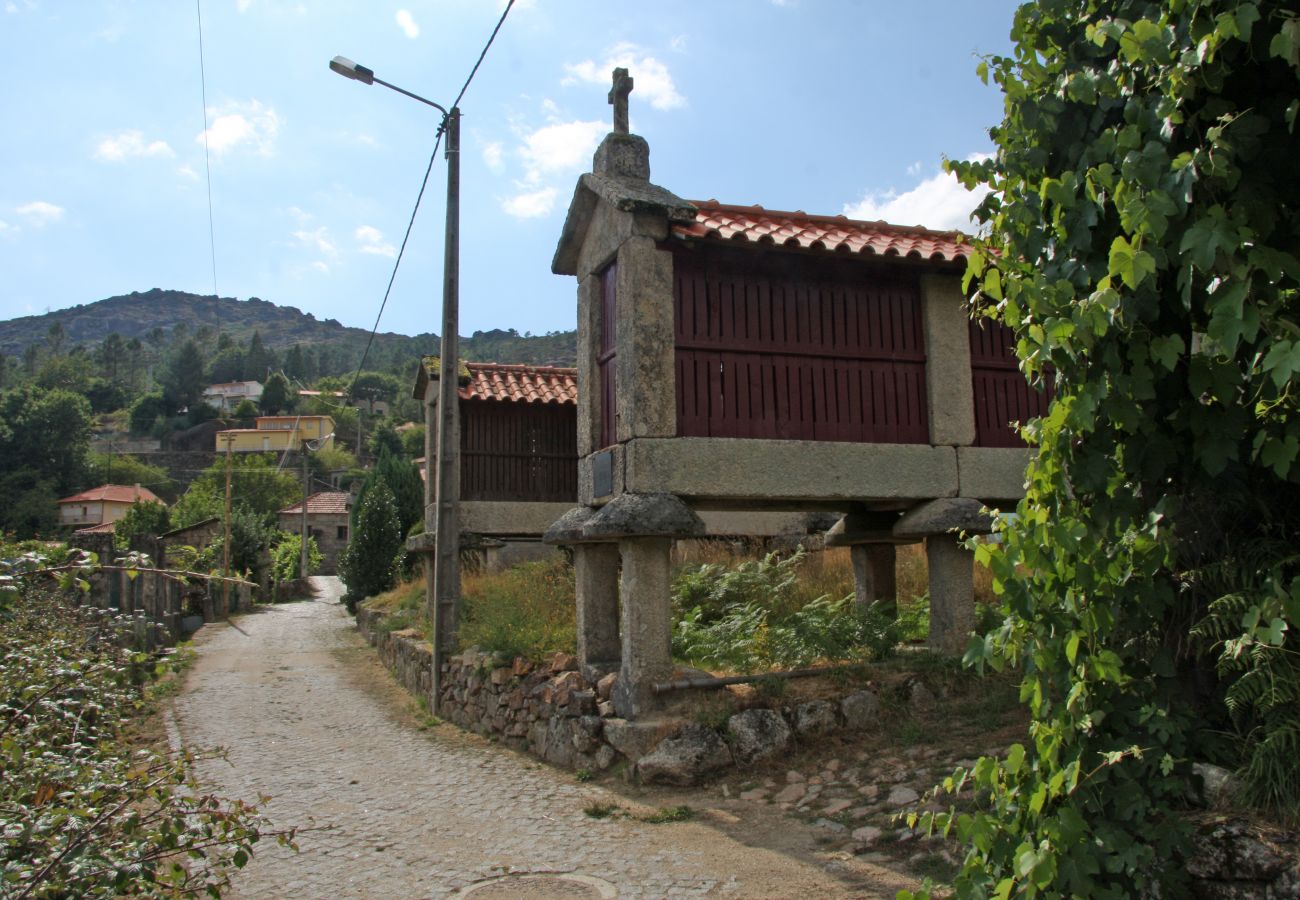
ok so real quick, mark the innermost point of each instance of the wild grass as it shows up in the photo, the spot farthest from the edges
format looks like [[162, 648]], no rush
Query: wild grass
[[527, 610]]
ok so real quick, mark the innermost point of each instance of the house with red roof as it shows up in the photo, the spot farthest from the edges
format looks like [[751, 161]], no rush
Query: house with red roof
[[328, 514], [100, 507]]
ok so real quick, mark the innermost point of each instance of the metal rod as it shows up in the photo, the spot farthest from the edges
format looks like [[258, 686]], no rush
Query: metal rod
[[446, 555], [683, 684]]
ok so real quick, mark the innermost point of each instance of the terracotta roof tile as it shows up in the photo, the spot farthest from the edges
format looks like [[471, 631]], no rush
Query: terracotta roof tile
[[756, 225], [324, 503], [106, 528], [113, 493], [521, 383]]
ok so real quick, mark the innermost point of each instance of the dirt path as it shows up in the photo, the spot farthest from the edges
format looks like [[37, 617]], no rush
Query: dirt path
[[310, 718]]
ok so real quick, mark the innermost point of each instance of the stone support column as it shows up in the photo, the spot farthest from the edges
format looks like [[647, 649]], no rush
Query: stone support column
[[647, 623], [875, 579], [646, 361], [596, 570], [952, 593]]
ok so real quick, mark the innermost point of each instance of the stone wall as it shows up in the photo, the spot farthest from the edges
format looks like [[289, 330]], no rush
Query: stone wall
[[550, 710]]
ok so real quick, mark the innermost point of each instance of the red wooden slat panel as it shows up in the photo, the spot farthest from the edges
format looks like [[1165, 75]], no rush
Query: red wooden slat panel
[[1002, 395]]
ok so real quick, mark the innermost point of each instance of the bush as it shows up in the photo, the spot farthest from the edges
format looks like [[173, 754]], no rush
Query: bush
[[85, 814], [369, 563], [527, 610], [286, 557]]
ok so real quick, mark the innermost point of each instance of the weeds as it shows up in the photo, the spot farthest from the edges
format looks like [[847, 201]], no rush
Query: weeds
[[599, 810], [584, 775], [524, 611], [666, 814]]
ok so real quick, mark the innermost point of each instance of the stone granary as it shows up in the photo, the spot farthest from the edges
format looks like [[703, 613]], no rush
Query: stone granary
[[518, 454], [736, 358]]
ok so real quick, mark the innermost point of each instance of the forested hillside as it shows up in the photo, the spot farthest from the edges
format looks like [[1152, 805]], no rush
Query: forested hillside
[[157, 317]]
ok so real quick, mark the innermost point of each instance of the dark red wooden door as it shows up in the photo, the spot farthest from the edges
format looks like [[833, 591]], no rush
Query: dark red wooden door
[[518, 451], [787, 355], [1002, 395], [605, 359]]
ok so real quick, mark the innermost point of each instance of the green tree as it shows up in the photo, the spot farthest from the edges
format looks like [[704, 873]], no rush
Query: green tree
[[227, 365], [144, 518], [276, 395], [145, 411], [184, 376], [110, 356], [246, 409], [256, 483], [122, 468], [259, 360], [402, 479], [384, 439], [135, 361], [374, 387], [368, 564], [1142, 245], [45, 431]]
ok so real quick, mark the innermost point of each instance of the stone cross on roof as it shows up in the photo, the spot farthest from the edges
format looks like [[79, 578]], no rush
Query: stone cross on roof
[[618, 98]]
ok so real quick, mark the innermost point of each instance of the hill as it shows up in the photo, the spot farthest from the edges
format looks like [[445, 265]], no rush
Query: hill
[[154, 315]]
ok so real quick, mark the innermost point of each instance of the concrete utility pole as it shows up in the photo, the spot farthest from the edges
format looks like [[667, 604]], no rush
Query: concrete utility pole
[[225, 543], [306, 492]]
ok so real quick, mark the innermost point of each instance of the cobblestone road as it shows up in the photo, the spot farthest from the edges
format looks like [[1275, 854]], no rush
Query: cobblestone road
[[310, 718]]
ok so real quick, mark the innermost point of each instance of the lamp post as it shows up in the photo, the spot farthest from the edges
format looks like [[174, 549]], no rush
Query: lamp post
[[446, 599]]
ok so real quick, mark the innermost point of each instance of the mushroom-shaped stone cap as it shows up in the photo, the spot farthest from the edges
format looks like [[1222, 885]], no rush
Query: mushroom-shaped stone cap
[[863, 527], [643, 515], [944, 516], [567, 529]]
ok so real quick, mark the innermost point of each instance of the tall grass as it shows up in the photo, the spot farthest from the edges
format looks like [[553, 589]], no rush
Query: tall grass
[[527, 610]]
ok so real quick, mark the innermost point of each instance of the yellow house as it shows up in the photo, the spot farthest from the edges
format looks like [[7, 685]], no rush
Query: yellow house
[[277, 434]]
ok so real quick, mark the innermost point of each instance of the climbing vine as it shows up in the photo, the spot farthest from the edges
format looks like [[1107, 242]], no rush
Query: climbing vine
[[1141, 240]]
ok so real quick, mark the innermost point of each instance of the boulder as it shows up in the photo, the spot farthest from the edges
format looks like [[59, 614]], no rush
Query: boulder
[[861, 710], [758, 734], [814, 718], [686, 758]]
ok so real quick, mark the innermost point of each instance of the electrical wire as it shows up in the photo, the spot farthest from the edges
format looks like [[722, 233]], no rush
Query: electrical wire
[[207, 163], [423, 184]]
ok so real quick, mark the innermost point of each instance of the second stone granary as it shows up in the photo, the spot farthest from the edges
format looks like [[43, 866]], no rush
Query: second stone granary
[[736, 358]]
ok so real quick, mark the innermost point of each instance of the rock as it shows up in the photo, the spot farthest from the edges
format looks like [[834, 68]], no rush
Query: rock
[[902, 795], [836, 806], [815, 718], [643, 515], [586, 733], [757, 734], [564, 662], [921, 697], [1231, 851], [793, 777], [686, 758], [501, 676], [831, 825], [1219, 787], [791, 793], [867, 834], [558, 746], [605, 756], [861, 710], [605, 709], [948, 514], [635, 739], [755, 794], [521, 667], [605, 686]]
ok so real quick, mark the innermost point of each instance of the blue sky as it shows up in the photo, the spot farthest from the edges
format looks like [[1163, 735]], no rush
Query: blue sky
[[829, 106]]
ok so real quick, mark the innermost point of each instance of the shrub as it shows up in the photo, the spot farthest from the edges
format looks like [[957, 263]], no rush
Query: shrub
[[286, 557], [368, 564]]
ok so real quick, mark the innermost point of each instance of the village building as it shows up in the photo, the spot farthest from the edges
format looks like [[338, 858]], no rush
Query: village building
[[518, 462], [340, 398], [277, 434], [230, 394], [100, 507], [737, 358], [328, 516]]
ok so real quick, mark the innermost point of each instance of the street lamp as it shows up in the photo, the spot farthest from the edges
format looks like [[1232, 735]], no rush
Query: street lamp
[[446, 566]]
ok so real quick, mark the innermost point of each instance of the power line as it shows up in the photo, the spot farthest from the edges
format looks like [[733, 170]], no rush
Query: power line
[[423, 184], [207, 163]]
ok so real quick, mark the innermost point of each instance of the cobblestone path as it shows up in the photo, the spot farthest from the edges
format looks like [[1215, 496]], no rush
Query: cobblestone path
[[311, 719]]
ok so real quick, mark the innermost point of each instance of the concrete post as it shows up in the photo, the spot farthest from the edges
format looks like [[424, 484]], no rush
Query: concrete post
[[596, 568], [647, 623], [952, 593], [875, 579]]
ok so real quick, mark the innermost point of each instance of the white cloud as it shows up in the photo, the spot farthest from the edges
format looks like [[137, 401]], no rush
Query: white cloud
[[321, 267], [131, 143], [678, 43], [939, 202], [6, 229], [238, 124], [559, 147], [371, 240], [651, 78], [318, 240], [407, 23], [187, 171], [243, 5], [530, 205], [492, 155], [39, 213]]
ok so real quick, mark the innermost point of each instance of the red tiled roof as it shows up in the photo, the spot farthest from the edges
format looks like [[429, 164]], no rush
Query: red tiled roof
[[106, 528], [755, 225], [323, 503], [521, 383], [113, 493]]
